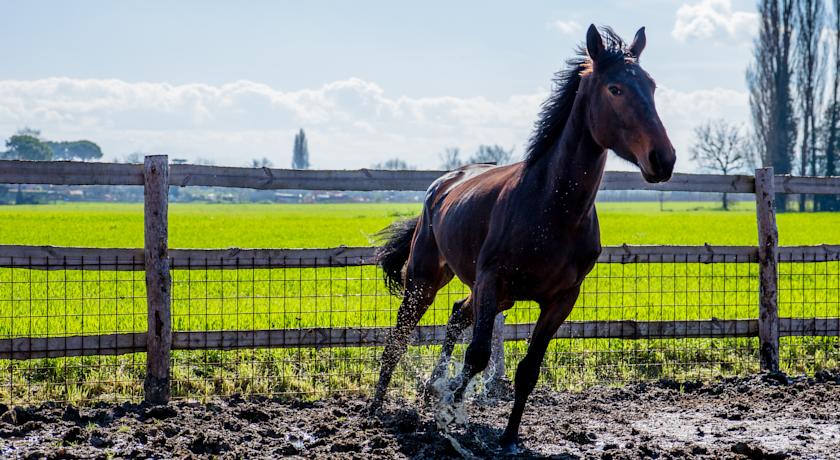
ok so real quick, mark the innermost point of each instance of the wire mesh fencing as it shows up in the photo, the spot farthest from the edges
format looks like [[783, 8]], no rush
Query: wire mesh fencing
[[343, 313], [60, 320], [809, 308], [302, 327]]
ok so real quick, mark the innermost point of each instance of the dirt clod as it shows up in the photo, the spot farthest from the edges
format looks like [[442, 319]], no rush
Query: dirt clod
[[160, 413], [208, 444]]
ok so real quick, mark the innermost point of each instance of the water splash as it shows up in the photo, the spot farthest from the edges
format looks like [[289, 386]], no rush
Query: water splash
[[450, 415], [451, 418]]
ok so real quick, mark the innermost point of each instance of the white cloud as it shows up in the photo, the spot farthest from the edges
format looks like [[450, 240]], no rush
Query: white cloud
[[350, 123], [567, 27], [709, 18], [681, 111]]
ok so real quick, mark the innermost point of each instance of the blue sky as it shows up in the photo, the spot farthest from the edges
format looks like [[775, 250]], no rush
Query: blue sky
[[367, 80]]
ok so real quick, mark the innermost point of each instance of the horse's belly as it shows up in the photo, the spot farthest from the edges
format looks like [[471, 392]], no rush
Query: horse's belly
[[541, 278]]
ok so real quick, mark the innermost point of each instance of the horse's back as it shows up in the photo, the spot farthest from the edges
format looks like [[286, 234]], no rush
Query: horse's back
[[459, 206]]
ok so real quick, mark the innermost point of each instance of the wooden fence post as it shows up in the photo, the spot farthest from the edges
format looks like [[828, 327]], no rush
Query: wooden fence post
[[158, 281], [768, 259]]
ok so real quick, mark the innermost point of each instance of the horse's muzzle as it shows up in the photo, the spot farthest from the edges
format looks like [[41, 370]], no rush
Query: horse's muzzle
[[661, 165]]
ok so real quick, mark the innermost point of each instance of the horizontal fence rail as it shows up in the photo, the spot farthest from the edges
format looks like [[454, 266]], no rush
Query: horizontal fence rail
[[182, 175], [24, 348], [114, 259]]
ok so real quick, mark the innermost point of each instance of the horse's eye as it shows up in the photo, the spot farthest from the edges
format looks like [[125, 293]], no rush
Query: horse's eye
[[615, 90]]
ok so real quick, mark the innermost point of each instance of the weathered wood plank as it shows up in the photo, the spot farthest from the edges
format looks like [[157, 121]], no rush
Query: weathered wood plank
[[620, 180], [626, 254], [809, 327], [370, 179], [69, 173], [809, 185], [434, 335], [275, 179], [768, 259], [818, 253], [272, 258], [158, 279], [60, 258], [70, 258], [22, 348], [94, 173], [75, 258]]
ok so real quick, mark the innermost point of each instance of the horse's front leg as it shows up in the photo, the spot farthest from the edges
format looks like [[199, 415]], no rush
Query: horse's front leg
[[551, 317]]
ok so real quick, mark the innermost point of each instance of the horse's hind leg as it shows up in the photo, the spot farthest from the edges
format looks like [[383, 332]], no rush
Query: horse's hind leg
[[551, 317], [461, 318], [424, 276]]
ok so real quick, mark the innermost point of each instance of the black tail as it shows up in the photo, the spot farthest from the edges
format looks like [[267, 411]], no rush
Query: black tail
[[392, 255]]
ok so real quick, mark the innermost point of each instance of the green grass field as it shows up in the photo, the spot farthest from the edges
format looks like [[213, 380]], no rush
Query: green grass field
[[58, 303], [267, 225]]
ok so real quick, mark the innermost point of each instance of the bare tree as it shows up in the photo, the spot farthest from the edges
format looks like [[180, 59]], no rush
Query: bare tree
[[810, 66], [769, 79], [204, 161], [492, 154], [451, 159], [261, 163], [394, 164], [134, 158], [832, 118], [720, 147]]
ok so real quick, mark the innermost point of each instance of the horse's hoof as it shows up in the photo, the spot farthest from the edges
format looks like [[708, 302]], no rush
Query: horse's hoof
[[510, 447], [374, 408]]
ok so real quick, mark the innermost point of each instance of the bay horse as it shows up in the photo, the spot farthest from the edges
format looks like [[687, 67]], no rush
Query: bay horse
[[529, 230]]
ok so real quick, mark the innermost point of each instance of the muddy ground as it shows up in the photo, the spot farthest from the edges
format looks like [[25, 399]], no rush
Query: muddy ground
[[758, 417]]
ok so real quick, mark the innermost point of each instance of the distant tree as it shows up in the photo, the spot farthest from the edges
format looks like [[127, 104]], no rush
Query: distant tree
[[719, 147], [27, 131], [27, 147], [204, 161], [75, 150], [261, 163], [394, 164], [300, 152], [492, 154], [809, 69], [769, 82], [451, 159], [133, 158], [831, 121]]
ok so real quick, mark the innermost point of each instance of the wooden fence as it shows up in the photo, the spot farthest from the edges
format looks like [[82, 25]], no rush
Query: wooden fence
[[156, 175]]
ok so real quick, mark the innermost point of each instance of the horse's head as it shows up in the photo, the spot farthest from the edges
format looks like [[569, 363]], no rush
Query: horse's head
[[621, 111]]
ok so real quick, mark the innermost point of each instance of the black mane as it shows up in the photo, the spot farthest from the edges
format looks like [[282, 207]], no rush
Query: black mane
[[556, 109]]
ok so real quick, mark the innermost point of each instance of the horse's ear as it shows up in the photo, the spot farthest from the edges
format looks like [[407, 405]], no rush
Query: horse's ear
[[594, 43], [639, 43]]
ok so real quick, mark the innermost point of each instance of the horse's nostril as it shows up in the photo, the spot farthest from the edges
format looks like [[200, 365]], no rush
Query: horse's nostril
[[655, 160]]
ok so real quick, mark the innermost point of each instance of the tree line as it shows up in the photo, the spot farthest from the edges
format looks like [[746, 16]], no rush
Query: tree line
[[28, 144], [451, 158], [793, 85]]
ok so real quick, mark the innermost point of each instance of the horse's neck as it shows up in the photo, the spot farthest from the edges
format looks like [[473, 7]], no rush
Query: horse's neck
[[572, 172]]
